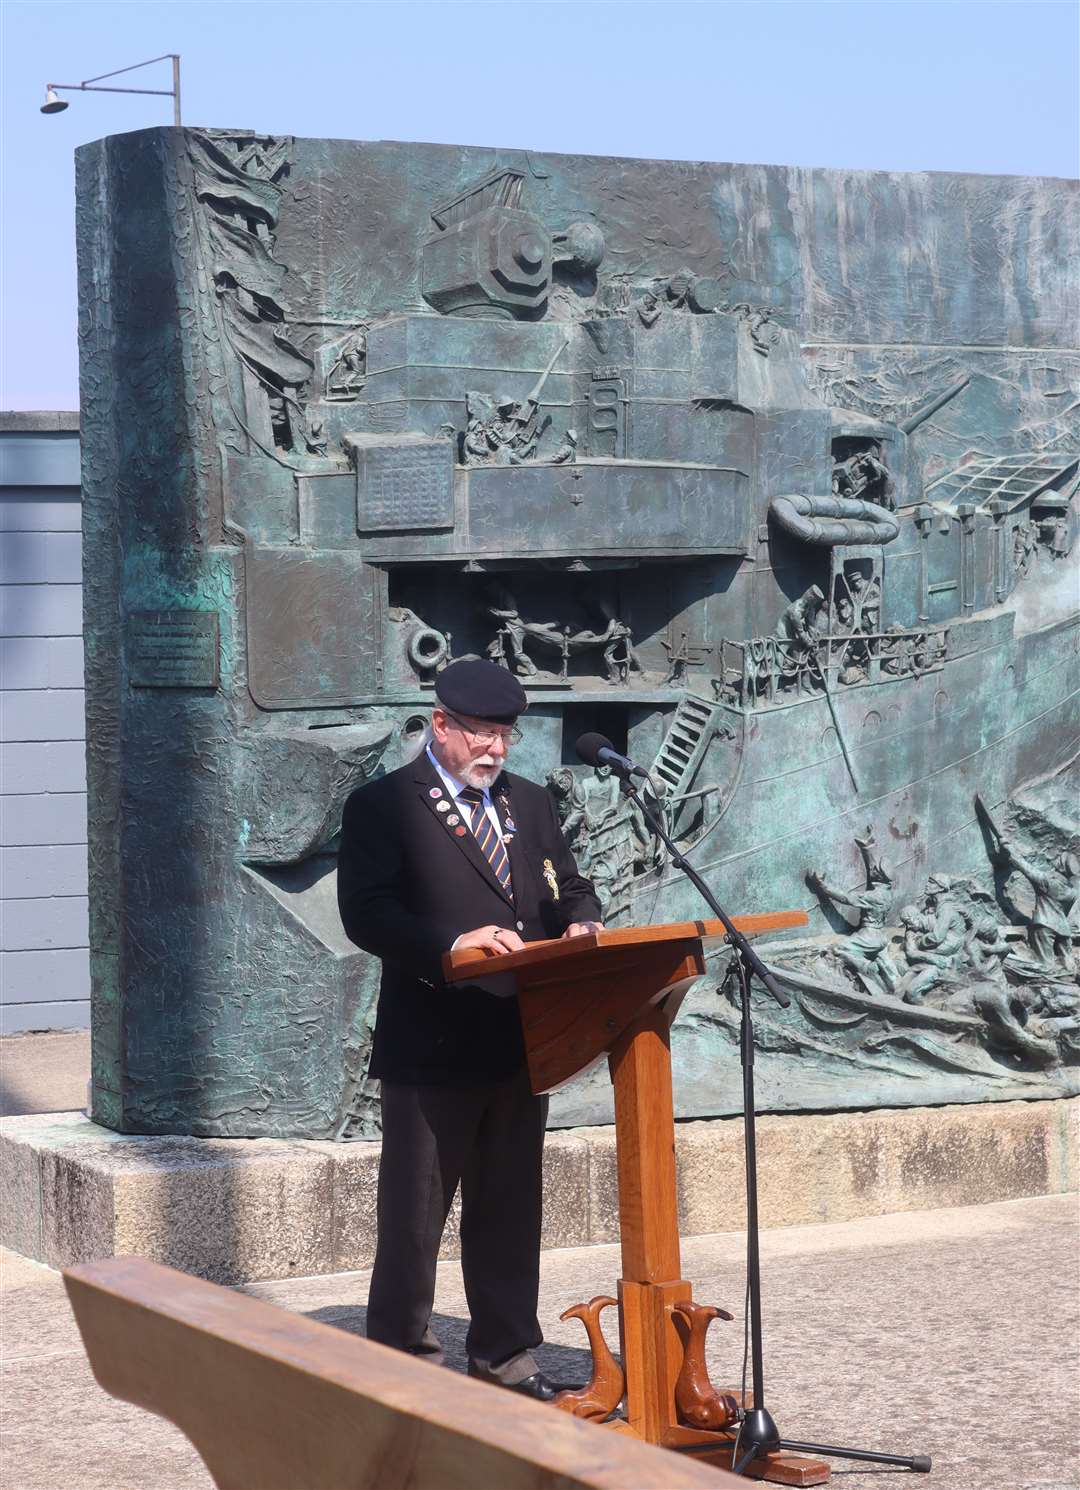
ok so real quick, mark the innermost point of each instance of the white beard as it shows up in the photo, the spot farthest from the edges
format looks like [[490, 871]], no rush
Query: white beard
[[481, 774]]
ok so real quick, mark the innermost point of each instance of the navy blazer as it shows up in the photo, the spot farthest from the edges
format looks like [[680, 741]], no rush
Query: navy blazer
[[409, 885]]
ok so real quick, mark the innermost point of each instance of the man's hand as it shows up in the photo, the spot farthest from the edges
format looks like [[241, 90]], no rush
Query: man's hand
[[582, 928], [492, 939]]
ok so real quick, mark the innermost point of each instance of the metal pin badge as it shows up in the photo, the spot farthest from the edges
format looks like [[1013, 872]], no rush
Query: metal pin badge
[[452, 819], [436, 791], [442, 806], [460, 832]]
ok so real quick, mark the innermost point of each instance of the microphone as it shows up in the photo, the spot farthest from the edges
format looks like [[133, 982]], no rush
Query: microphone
[[597, 750]]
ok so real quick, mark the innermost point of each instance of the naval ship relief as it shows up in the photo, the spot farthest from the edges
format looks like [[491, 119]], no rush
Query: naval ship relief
[[744, 467]]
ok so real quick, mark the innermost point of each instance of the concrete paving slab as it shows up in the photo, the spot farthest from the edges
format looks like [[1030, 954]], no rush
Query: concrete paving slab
[[44, 1071], [61, 1429], [953, 1332], [57, 1426]]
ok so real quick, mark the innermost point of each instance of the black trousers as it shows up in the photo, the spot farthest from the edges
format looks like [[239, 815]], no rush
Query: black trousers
[[489, 1137]]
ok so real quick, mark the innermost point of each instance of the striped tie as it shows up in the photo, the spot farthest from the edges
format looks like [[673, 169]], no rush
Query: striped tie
[[491, 845]]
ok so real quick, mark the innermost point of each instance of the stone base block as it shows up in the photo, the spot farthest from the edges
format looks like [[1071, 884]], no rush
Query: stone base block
[[237, 1210]]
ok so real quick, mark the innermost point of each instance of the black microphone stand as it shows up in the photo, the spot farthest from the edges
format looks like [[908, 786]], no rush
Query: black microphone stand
[[758, 1434]]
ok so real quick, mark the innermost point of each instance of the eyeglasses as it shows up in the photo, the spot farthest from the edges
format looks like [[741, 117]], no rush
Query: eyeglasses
[[486, 734]]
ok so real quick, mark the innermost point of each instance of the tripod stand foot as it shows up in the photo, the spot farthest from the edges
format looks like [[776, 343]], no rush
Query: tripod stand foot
[[917, 1463]]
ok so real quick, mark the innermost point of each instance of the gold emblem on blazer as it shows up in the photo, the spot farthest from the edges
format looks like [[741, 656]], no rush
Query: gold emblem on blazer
[[552, 881]]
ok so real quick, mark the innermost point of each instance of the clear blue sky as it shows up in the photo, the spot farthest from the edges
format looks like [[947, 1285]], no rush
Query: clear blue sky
[[892, 86]]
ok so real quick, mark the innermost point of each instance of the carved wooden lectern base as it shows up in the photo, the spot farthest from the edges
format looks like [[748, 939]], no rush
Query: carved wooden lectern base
[[616, 993]]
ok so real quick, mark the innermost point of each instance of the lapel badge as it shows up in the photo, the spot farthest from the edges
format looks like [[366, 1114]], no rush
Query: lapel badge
[[442, 806], [435, 791], [552, 881], [452, 819], [459, 831]]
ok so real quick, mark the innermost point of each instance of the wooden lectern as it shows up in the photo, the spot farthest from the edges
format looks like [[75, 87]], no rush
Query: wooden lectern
[[615, 993]]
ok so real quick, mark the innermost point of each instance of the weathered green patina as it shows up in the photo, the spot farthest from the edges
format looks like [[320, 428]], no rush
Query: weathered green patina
[[769, 474]]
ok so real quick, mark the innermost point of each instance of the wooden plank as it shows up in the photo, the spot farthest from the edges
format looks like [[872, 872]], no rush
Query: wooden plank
[[460, 965], [279, 1402]]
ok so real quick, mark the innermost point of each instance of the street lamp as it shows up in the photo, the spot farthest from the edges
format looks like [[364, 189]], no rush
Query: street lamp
[[54, 105]]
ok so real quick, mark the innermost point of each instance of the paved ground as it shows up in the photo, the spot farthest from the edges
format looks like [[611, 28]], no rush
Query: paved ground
[[952, 1332], [44, 1071]]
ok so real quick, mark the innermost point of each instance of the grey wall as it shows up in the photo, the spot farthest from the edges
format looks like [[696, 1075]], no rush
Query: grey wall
[[44, 961]]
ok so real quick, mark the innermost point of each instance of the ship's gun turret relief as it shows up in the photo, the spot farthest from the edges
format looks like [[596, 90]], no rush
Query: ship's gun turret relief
[[489, 258]]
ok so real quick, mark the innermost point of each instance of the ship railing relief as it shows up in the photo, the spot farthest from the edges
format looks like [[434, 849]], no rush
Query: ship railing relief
[[766, 670]]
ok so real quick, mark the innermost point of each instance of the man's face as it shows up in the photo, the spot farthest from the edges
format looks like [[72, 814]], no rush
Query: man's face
[[471, 749]]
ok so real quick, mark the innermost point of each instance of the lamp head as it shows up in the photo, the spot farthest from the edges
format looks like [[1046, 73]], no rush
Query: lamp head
[[52, 104]]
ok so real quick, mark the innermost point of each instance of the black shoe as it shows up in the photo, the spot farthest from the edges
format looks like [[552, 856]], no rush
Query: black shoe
[[536, 1386]]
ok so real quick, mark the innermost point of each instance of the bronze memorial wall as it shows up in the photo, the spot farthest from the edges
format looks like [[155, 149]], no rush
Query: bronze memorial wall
[[767, 473]]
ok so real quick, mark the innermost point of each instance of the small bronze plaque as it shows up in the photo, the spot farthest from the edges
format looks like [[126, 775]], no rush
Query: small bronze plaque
[[173, 648]]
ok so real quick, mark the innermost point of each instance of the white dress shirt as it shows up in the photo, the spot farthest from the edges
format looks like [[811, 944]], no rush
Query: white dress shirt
[[454, 788]]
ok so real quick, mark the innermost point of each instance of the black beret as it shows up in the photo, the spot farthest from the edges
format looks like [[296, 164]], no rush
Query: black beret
[[483, 690]]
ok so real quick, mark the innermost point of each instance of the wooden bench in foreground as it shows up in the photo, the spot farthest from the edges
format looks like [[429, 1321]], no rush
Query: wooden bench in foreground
[[274, 1401]]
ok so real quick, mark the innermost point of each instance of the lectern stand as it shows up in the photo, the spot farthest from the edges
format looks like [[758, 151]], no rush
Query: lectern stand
[[615, 993]]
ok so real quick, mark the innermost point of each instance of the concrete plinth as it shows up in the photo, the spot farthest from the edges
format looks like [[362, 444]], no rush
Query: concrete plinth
[[237, 1210]]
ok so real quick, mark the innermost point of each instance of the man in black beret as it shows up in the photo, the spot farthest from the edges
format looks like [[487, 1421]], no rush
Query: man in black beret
[[453, 851]]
